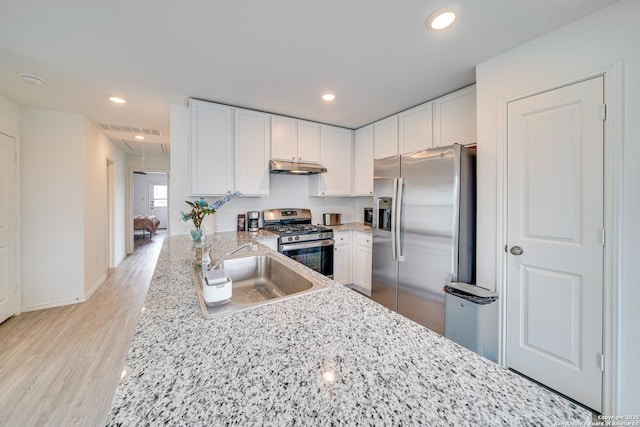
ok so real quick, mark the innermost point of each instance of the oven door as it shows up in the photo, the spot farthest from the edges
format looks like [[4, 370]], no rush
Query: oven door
[[317, 255]]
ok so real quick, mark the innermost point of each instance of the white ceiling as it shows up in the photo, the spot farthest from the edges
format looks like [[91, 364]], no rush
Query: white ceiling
[[277, 55]]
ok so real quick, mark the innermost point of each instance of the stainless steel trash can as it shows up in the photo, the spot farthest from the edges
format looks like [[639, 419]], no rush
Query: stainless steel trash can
[[471, 318]]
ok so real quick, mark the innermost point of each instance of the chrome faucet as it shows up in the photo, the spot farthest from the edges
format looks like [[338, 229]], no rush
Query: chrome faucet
[[228, 254]]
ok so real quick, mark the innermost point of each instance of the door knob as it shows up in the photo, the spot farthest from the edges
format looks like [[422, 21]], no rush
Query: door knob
[[516, 250]]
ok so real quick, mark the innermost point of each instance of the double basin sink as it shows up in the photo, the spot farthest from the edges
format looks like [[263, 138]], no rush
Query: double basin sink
[[257, 280]]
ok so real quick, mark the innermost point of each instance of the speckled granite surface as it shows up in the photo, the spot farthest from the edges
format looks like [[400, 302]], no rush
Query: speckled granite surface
[[328, 358], [352, 226]]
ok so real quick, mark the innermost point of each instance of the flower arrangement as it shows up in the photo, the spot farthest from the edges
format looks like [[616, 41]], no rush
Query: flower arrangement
[[200, 208]]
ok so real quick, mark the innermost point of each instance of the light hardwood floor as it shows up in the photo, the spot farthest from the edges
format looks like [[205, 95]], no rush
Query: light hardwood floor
[[61, 366]]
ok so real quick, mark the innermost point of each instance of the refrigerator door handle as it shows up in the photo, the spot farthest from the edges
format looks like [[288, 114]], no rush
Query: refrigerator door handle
[[394, 253], [397, 219]]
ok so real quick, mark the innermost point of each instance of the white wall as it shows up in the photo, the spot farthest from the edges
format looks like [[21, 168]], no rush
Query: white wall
[[97, 150], [64, 197], [9, 117], [573, 51], [287, 191], [10, 125], [52, 172]]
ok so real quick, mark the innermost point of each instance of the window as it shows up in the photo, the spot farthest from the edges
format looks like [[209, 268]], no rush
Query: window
[[159, 196]]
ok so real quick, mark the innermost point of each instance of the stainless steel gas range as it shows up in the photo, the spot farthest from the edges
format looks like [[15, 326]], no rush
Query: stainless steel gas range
[[311, 245]]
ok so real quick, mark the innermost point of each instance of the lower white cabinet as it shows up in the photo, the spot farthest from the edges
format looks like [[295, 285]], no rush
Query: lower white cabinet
[[342, 257], [362, 260], [271, 244], [352, 258]]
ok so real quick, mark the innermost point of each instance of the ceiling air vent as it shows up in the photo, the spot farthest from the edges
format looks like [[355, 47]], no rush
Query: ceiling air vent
[[130, 129]]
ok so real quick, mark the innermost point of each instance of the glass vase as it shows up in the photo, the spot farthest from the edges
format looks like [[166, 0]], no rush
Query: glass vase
[[196, 235]]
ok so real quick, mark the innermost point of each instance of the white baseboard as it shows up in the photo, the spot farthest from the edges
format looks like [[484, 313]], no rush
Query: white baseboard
[[95, 287], [52, 304]]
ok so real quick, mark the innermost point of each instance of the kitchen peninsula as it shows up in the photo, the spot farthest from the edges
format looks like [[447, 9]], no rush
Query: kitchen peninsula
[[328, 357]]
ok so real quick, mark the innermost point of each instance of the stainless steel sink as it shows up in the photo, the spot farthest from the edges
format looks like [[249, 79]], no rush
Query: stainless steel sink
[[258, 280]]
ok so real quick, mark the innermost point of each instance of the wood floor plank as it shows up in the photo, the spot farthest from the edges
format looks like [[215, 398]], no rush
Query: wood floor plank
[[61, 366]]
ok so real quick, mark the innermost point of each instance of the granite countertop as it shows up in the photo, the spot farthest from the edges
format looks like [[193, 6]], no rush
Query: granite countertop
[[329, 357], [351, 226]]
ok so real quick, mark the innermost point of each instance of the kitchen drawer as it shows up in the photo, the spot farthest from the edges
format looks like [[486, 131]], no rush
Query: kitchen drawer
[[364, 239], [342, 237]]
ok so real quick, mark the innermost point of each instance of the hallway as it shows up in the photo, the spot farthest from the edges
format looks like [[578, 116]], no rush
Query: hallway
[[61, 366]]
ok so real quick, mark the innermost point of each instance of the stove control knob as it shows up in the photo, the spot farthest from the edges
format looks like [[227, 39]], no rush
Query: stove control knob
[[289, 239], [297, 238]]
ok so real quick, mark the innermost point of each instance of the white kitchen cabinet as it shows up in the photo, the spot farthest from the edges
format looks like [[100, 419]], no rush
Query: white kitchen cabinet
[[342, 257], [308, 141], [363, 162], [362, 255], [295, 140], [415, 128], [252, 152], [454, 118], [336, 152], [385, 137], [284, 138], [271, 244], [211, 148]]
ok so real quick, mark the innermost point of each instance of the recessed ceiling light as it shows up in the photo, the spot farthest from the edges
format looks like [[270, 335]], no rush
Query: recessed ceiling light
[[442, 18], [117, 100], [139, 137], [30, 78], [328, 97]]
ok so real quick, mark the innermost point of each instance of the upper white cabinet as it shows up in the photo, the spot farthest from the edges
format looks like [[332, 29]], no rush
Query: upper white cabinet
[[229, 150], [385, 137], [415, 130], [454, 118], [363, 162], [295, 140], [284, 138], [336, 153], [252, 149], [308, 142], [211, 148]]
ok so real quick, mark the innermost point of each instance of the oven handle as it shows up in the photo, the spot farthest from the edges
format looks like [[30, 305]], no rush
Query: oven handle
[[314, 244]]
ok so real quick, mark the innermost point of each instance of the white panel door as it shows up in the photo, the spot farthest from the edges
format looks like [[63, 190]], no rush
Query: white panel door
[[158, 199], [554, 235], [9, 302]]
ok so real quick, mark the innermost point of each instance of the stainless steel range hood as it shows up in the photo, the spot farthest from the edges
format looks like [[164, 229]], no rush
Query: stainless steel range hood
[[295, 168]]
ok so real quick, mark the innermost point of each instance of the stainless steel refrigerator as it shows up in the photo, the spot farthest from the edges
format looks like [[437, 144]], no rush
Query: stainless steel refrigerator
[[423, 230]]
